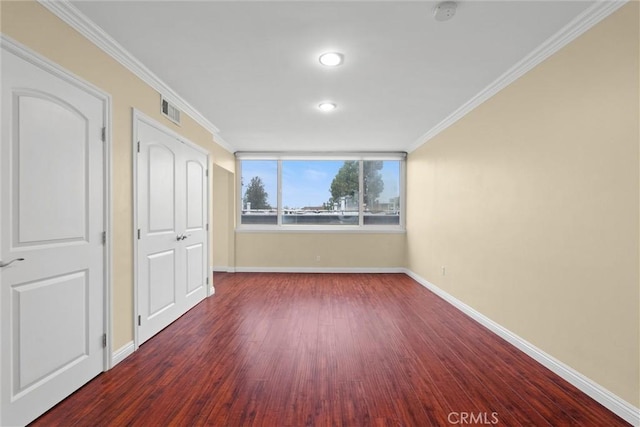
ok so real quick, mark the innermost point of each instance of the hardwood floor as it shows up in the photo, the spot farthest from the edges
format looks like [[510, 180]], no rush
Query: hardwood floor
[[326, 349]]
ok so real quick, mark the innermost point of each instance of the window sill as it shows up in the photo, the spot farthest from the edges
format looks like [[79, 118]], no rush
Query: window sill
[[321, 229]]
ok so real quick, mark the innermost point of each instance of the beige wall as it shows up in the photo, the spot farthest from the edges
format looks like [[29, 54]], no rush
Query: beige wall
[[223, 219], [32, 25], [531, 202], [336, 250]]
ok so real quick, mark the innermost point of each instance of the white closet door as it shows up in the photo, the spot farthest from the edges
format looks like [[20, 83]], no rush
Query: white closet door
[[194, 243], [172, 215], [52, 295]]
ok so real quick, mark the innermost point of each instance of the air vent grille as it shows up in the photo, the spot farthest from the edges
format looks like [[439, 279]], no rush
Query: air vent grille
[[170, 111]]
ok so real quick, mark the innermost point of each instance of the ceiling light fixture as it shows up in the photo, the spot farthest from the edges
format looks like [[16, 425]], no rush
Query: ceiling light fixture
[[327, 106], [445, 10], [331, 59]]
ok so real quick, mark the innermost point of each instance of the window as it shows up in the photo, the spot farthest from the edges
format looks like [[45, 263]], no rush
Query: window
[[320, 192], [259, 185], [305, 192], [381, 192]]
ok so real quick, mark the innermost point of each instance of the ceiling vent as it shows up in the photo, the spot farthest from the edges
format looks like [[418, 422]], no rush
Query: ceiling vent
[[170, 111]]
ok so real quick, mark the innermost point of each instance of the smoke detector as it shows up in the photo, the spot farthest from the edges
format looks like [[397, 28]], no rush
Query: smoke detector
[[445, 10]]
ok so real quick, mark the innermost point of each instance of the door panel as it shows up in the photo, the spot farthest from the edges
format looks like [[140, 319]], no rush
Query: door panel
[[161, 184], [162, 282], [51, 216], [195, 279], [60, 185], [57, 330], [172, 210], [195, 196]]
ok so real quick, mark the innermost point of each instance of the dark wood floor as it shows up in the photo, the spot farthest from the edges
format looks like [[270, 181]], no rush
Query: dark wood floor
[[326, 349]]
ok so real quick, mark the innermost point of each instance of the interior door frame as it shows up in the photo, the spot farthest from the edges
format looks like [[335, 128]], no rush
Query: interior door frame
[[137, 117], [12, 46]]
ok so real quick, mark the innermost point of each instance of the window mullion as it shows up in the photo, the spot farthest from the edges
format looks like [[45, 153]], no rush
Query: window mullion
[[279, 181], [403, 193], [239, 192], [361, 193]]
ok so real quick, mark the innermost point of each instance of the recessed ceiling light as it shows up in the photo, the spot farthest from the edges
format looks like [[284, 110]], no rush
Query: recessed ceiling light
[[331, 59], [327, 106]]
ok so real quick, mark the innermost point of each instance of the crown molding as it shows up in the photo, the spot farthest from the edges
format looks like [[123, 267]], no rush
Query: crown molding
[[579, 25], [68, 13], [221, 142]]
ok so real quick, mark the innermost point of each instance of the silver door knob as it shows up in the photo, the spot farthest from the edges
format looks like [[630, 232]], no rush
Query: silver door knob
[[6, 264]]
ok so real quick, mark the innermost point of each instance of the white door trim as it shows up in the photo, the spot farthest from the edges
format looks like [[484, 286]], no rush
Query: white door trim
[[10, 45], [137, 117]]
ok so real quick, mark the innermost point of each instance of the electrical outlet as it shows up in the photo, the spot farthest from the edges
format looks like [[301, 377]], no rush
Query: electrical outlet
[[317, 257]]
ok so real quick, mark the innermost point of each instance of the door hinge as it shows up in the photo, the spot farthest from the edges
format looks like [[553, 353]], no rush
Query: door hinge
[[207, 172], [138, 146], [104, 340], [104, 237], [139, 320], [104, 134], [207, 280], [207, 227], [138, 234]]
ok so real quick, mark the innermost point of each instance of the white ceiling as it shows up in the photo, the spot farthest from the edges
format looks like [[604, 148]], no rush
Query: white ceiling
[[251, 68]]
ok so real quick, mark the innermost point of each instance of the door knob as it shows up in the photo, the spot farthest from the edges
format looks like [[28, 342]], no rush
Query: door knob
[[180, 237], [6, 264]]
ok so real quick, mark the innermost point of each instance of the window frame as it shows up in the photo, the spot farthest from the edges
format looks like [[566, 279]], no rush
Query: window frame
[[361, 157]]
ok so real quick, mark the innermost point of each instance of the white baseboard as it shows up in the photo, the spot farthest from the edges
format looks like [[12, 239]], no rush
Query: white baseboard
[[320, 270], [122, 353], [223, 269], [615, 404]]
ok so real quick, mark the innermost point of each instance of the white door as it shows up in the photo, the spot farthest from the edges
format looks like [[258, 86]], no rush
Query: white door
[[52, 220], [172, 236]]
